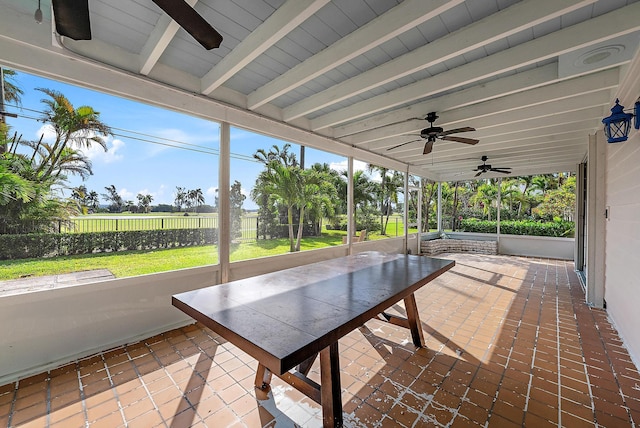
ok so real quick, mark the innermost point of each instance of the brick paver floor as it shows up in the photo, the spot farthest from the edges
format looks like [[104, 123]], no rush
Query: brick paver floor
[[510, 343]]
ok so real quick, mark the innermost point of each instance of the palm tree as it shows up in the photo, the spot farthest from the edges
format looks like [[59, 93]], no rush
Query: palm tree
[[429, 189], [13, 187], [181, 198], [326, 201], [381, 192], [195, 198], [144, 202], [93, 201], [486, 194], [12, 94], [75, 128], [112, 196], [284, 185], [283, 156], [363, 190]]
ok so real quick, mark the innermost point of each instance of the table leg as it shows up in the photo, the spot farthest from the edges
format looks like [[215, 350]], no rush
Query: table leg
[[331, 393], [414, 320], [263, 377]]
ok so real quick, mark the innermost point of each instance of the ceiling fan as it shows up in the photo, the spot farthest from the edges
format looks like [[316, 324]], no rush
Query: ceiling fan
[[486, 168], [72, 20], [436, 132]]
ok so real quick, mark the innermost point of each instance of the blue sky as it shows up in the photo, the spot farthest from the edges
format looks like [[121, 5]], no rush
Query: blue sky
[[136, 166]]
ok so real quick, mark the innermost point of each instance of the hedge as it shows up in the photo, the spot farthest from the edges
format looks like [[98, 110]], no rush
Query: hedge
[[519, 227], [63, 244]]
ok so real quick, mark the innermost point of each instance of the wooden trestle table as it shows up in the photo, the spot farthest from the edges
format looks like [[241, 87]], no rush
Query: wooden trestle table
[[284, 319]]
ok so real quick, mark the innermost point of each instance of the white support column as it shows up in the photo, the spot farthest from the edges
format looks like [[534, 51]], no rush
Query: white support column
[[224, 208], [498, 212], [351, 223], [596, 225], [579, 219], [419, 213], [405, 214], [440, 207]]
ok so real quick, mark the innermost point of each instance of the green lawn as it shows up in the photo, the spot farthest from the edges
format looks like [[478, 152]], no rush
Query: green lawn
[[132, 263]]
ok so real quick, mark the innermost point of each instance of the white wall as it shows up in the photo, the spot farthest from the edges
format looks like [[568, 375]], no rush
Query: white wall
[[44, 329], [622, 273], [537, 246]]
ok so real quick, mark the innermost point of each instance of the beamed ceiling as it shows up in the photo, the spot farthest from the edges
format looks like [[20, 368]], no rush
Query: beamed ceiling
[[357, 77]]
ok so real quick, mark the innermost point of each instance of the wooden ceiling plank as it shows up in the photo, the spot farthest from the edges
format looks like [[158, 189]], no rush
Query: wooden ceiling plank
[[500, 25], [285, 19], [491, 90], [598, 29], [489, 113], [401, 18]]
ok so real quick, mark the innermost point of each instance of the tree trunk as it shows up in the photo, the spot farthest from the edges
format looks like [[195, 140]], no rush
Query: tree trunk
[[300, 228], [292, 247], [455, 208]]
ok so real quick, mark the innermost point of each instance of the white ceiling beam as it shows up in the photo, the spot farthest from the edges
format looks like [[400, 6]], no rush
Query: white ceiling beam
[[530, 152], [493, 89], [548, 168], [604, 27], [502, 24], [499, 155], [514, 104], [162, 34], [285, 19], [401, 18], [525, 118]]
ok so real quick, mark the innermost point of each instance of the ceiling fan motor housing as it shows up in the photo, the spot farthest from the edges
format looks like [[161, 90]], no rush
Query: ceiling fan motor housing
[[431, 131]]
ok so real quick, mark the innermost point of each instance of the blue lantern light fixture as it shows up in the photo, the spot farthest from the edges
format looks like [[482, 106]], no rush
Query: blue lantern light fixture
[[616, 126]]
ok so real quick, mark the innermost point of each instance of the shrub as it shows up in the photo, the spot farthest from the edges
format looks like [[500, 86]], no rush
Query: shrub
[[35, 245], [520, 227]]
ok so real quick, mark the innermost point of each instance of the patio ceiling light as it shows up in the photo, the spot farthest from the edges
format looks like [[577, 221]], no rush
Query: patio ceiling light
[[616, 126]]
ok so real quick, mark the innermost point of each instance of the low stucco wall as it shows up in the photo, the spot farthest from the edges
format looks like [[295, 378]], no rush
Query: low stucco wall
[[45, 329], [537, 246], [522, 245]]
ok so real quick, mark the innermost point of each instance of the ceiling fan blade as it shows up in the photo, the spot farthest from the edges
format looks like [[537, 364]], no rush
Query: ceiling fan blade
[[501, 170], [400, 145], [72, 18], [456, 130], [428, 146], [478, 174], [192, 22], [471, 141]]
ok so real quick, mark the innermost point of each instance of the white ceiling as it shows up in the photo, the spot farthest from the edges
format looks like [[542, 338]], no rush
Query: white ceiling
[[533, 77]]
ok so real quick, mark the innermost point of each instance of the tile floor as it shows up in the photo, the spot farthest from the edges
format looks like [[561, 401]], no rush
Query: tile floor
[[510, 342]]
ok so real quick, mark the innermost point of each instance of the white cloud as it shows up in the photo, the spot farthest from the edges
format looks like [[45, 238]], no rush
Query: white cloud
[[126, 194], [212, 191], [342, 166], [47, 133], [95, 153]]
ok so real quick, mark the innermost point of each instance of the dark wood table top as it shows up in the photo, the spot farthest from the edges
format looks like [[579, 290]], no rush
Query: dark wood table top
[[284, 317]]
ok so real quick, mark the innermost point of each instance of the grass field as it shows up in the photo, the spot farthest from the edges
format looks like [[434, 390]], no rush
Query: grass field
[[132, 263]]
